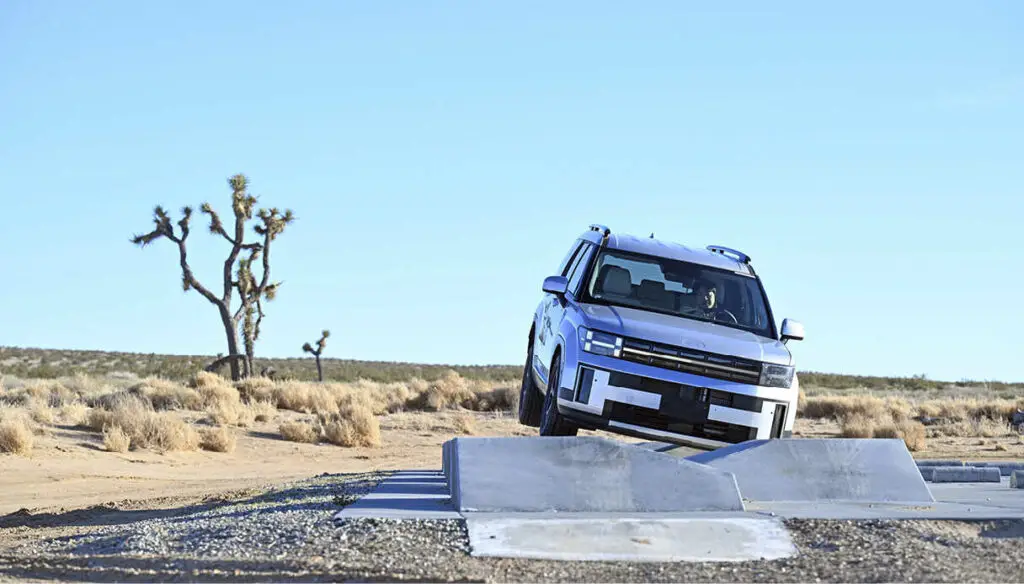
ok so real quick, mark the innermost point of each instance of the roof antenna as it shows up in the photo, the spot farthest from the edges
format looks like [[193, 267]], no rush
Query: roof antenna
[[652, 235]]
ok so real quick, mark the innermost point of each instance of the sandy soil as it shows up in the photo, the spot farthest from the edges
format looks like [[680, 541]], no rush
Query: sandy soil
[[69, 469]]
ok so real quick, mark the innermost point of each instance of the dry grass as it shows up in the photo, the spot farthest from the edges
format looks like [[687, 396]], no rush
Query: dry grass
[[465, 424], [300, 432], [116, 440], [355, 426], [263, 411], [861, 426], [15, 433], [74, 414], [219, 439], [41, 412], [167, 395], [146, 428]]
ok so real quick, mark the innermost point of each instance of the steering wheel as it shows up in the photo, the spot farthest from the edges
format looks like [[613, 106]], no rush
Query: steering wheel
[[735, 321]]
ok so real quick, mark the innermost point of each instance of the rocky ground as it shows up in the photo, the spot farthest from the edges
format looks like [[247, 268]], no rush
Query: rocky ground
[[288, 533]]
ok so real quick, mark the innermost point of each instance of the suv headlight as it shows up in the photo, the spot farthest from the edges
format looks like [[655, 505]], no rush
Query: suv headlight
[[600, 343], [776, 375]]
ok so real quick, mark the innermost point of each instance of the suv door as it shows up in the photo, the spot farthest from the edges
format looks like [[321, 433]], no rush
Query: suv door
[[546, 326], [555, 307]]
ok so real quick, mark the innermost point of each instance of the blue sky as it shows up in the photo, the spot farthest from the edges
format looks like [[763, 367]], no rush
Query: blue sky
[[441, 157]]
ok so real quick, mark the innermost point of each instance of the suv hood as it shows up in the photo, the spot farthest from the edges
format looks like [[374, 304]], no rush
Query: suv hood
[[685, 332]]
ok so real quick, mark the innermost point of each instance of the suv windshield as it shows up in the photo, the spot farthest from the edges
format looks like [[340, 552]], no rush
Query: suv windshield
[[680, 289]]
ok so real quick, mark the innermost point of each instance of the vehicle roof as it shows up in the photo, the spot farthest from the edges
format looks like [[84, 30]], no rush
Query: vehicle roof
[[669, 249]]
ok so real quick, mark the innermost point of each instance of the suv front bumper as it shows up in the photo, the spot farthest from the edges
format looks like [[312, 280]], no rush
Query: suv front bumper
[[672, 406]]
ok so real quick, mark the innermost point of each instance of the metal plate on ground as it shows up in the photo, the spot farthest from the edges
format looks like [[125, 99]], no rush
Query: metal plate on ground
[[636, 539]]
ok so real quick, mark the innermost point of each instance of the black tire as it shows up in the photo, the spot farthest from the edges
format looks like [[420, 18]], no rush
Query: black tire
[[529, 398], [553, 423]]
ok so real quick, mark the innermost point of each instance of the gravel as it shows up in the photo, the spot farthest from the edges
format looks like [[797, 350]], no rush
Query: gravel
[[288, 534]]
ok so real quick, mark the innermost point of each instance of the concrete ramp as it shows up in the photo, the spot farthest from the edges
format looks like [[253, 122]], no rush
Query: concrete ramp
[[829, 469], [579, 474]]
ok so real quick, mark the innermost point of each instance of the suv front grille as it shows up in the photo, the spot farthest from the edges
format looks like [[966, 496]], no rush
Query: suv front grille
[[711, 430], [692, 361]]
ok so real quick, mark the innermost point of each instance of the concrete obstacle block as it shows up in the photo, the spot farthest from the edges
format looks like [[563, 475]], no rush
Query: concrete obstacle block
[[927, 472], [1017, 479], [925, 463], [581, 474], [967, 474], [1005, 468], [826, 469]]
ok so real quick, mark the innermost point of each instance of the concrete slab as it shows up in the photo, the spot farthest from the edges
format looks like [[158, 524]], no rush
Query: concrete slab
[[724, 539], [827, 469], [858, 510], [567, 474], [405, 495]]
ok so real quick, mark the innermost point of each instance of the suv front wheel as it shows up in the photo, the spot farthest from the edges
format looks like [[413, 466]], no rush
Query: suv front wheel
[[529, 398], [553, 423]]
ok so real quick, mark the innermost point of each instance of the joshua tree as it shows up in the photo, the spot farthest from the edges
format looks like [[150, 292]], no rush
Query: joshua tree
[[316, 352], [238, 268]]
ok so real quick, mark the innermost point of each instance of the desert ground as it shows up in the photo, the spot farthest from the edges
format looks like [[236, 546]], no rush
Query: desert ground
[[101, 472]]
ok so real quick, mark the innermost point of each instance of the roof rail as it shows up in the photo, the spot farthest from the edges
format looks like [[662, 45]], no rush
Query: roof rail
[[740, 256], [601, 228]]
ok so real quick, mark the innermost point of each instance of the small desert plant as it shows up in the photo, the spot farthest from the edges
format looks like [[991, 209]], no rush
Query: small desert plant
[[465, 424], [15, 434], [116, 440], [353, 426], [300, 432], [262, 411], [320, 345], [218, 439], [146, 428], [74, 413], [42, 413]]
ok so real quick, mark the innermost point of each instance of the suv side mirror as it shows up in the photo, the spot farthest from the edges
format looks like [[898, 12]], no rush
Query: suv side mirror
[[792, 329], [556, 285]]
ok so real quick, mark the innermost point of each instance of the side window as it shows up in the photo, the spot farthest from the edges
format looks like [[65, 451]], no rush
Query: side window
[[563, 268], [580, 268]]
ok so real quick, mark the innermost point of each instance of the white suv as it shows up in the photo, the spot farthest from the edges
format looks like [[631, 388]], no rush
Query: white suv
[[658, 340]]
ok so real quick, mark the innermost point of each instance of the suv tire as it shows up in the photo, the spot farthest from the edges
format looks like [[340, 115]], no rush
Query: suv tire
[[529, 398], [553, 423]]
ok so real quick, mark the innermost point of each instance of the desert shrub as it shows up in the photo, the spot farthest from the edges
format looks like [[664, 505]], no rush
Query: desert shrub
[[355, 425], [74, 413], [465, 424], [116, 440], [15, 433], [857, 426], [41, 412], [449, 391], [503, 399], [263, 410], [885, 426], [146, 428], [300, 432], [161, 394], [218, 439], [254, 389], [912, 433]]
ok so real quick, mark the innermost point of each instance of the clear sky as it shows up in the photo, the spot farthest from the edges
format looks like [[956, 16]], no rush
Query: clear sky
[[442, 156]]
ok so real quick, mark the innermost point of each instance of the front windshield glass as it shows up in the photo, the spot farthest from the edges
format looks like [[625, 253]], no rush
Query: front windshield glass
[[679, 288]]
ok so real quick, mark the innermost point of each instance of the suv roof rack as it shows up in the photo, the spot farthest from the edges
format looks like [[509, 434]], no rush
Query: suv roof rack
[[729, 251]]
